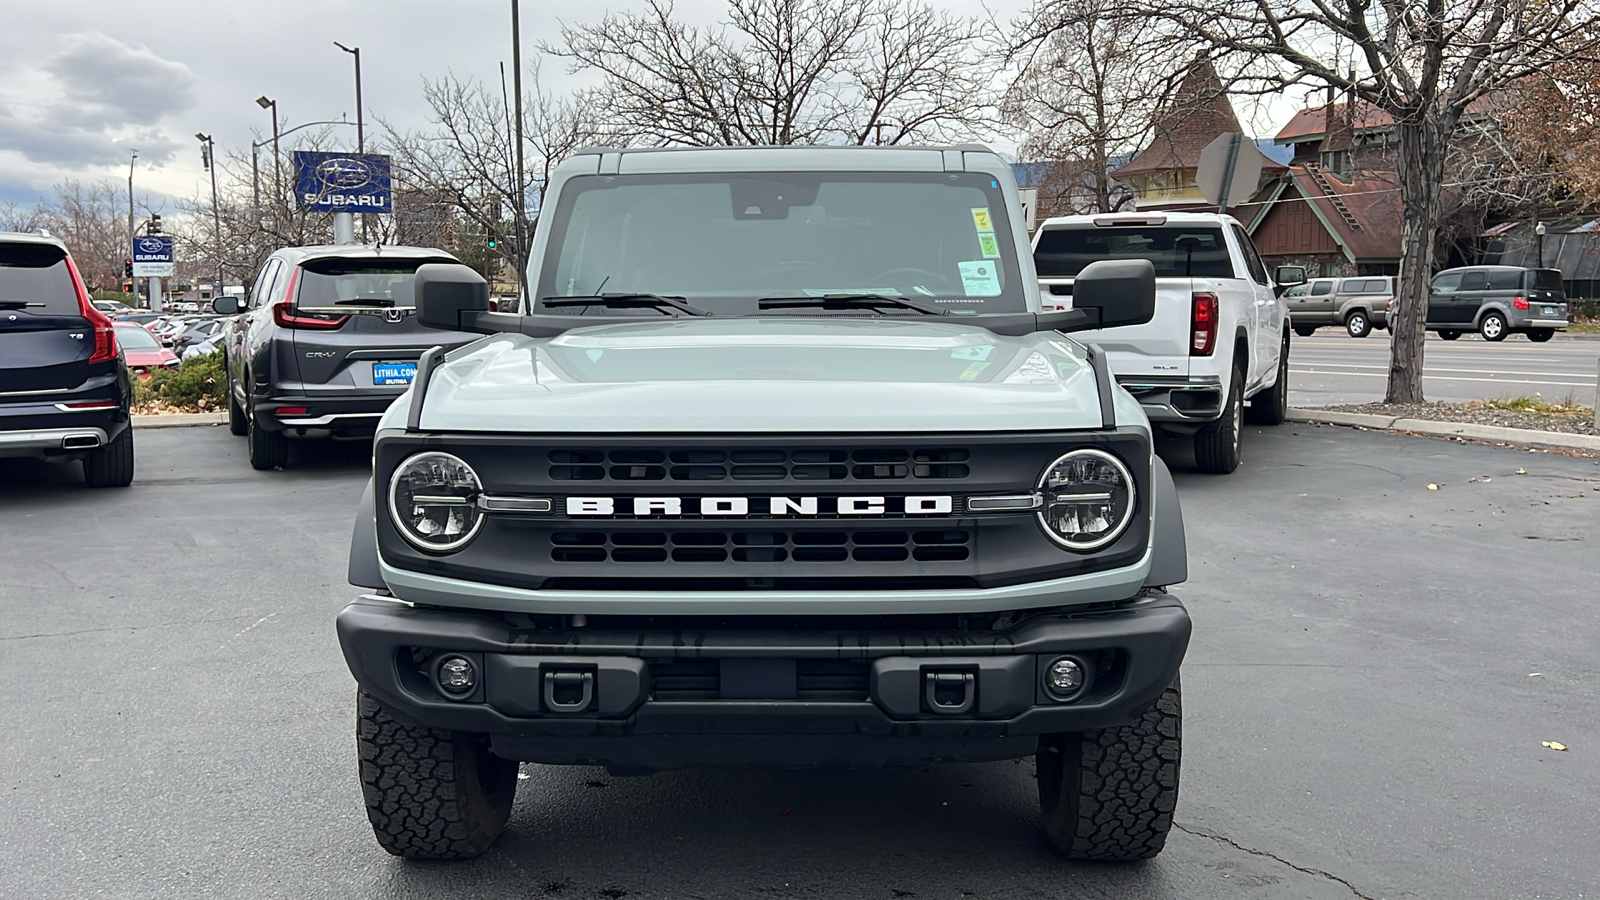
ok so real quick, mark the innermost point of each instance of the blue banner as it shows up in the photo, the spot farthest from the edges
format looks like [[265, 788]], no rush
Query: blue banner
[[343, 182]]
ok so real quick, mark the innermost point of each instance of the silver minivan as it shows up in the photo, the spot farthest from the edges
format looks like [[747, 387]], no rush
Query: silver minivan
[[1359, 303], [1496, 301]]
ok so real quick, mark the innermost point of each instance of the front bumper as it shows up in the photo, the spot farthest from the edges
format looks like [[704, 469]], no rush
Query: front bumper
[[765, 691]]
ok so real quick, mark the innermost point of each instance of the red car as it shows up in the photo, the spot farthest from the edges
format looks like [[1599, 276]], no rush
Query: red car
[[142, 351]]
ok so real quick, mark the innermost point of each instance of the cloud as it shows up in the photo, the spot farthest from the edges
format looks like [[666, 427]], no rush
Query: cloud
[[99, 98]]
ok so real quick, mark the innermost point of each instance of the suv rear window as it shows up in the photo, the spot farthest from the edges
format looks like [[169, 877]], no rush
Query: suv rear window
[[338, 281], [1547, 280], [37, 274], [1175, 252]]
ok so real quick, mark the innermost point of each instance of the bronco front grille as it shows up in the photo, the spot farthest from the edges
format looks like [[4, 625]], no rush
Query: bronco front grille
[[807, 464], [818, 546]]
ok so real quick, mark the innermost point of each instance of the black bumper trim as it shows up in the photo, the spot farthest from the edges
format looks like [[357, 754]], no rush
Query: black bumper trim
[[1148, 638]]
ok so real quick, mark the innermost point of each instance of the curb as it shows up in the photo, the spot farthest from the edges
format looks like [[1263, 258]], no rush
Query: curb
[[1492, 433], [180, 420]]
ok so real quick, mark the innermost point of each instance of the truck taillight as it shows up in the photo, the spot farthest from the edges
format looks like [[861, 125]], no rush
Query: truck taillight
[[1519, 301], [1203, 331]]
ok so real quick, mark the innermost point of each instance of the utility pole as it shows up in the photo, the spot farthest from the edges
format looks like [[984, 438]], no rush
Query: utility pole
[[277, 158], [522, 194], [131, 280], [208, 155]]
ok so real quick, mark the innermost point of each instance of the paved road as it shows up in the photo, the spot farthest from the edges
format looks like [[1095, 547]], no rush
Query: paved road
[[1361, 721], [1330, 368]]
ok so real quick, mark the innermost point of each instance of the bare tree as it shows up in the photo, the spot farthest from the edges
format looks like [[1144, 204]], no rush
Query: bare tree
[[787, 72], [1424, 63], [1087, 90], [92, 219], [467, 158], [16, 217]]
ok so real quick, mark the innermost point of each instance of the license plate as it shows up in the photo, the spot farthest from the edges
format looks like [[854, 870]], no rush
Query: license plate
[[393, 372], [1549, 310]]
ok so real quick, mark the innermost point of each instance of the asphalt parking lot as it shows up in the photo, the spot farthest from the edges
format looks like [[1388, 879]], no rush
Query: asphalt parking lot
[[1362, 715]]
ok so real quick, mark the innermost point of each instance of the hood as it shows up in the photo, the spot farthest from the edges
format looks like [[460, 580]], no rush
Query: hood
[[765, 375]]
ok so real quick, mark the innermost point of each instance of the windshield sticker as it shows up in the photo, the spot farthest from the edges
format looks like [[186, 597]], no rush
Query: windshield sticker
[[980, 218], [980, 352], [980, 278], [972, 371], [990, 246]]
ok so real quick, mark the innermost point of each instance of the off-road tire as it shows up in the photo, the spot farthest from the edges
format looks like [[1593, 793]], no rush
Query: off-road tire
[[1109, 795], [268, 449], [111, 465], [238, 423], [1357, 325], [430, 793], [1449, 335], [1271, 406], [1493, 327], [1540, 335], [1216, 446]]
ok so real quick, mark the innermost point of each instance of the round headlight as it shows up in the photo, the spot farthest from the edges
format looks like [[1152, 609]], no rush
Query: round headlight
[[1088, 499], [434, 500]]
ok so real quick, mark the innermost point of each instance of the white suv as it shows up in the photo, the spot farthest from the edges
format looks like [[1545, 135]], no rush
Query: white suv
[[1220, 335]]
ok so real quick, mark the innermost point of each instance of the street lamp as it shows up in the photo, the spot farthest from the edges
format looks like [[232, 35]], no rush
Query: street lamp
[[208, 156], [361, 131], [133, 155], [277, 159], [1539, 232]]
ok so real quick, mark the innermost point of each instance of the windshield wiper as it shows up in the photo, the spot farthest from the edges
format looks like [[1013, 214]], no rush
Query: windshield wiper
[[852, 301], [383, 302], [626, 301]]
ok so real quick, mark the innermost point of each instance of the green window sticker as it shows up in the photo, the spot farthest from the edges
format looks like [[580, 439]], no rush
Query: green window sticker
[[990, 246], [980, 278]]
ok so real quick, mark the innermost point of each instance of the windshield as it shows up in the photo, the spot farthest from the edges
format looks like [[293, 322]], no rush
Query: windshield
[[1175, 251], [134, 337], [359, 282], [723, 241], [37, 274]]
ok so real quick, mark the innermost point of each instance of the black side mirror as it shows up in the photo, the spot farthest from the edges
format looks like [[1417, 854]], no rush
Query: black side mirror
[[228, 305], [1289, 276], [1123, 291], [447, 293]]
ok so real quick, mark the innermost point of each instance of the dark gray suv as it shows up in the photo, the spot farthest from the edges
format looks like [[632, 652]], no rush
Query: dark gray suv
[[1496, 301], [328, 339]]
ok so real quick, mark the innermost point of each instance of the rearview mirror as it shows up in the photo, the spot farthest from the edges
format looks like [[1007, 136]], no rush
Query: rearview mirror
[[1123, 291], [1289, 276], [445, 291], [227, 305]]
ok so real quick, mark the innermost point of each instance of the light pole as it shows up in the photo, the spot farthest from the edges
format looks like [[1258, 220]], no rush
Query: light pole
[[277, 158], [208, 156], [133, 155], [344, 223], [1539, 233]]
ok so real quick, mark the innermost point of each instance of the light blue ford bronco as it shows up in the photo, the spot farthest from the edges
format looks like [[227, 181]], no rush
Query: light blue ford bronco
[[783, 465]]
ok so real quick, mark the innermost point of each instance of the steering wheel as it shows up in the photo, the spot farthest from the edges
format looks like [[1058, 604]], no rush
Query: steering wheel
[[911, 274]]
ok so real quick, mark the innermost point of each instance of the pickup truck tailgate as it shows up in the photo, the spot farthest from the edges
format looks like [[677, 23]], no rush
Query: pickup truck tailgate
[[1158, 347]]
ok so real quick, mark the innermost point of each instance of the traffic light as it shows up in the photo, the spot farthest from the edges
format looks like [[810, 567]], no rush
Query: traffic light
[[127, 268], [492, 241], [155, 223]]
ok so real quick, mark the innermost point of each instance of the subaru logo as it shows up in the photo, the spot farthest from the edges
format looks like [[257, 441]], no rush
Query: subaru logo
[[343, 173], [152, 245]]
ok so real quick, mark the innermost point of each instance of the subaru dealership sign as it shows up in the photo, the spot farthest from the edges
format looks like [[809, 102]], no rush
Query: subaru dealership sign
[[152, 256], [343, 182]]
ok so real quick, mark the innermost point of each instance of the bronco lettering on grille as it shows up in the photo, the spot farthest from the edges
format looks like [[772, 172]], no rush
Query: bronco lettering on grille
[[734, 507]]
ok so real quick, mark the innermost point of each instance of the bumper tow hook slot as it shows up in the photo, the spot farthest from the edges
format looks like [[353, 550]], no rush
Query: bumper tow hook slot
[[950, 693], [568, 691]]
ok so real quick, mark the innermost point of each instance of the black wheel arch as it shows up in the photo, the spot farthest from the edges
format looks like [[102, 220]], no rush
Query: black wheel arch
[[1169, 556], [363, 568]]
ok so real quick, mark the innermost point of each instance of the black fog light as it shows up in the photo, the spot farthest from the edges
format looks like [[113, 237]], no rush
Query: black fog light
[[1064, 678], [456, 677]]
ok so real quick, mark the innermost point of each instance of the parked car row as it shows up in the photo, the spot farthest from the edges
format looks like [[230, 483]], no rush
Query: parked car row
[[1493, 301]]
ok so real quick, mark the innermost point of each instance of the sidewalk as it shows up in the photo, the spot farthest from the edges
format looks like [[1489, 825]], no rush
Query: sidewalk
[[1490, 433]]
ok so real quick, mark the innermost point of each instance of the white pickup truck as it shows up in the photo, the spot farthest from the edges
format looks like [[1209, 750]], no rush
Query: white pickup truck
[[1217, 351]]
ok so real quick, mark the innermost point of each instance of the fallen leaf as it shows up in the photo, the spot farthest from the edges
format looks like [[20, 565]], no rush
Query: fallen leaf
[[1432, 486], [1521, 471], [1553, 745], [1487, 479], [1535, 674]]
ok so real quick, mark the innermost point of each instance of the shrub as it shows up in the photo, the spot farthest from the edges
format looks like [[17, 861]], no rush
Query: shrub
[[199, 385]]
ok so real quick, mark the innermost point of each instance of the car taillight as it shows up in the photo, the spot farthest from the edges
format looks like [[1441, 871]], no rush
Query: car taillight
[[105, 337], [1520, 302], [1203, 333], [283, 313]]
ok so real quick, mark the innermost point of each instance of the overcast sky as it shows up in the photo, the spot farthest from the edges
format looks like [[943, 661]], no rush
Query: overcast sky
[[82, 83]]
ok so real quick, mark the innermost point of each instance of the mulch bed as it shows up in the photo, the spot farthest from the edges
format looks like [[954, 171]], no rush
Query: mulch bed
[[1476, 415]]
